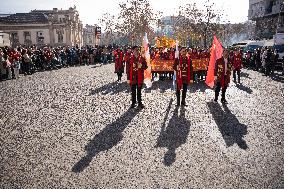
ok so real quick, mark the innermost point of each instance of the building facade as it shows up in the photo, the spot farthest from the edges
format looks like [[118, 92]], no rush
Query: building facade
[[4, 39], [44, 27], [268, 15], [91, 35]]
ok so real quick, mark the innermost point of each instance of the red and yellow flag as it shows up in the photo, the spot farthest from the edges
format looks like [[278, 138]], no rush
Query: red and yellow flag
[[146, 52], [216, 53]]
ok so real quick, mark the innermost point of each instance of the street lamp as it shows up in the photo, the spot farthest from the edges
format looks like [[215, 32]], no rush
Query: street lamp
[[281, 6]]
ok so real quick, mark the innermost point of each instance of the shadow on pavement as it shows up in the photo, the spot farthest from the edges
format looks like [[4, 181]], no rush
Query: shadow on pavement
[[161, 85], [174, 135], [111, 88], [200, 86], [245, 75], [97, 66], [109, 137], [231, 129], [277, 77], [244, 88]]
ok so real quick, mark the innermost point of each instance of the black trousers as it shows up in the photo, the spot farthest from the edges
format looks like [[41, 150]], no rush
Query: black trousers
[[184, 90], [119, 75], [238, 71], [217, 91], [135, 88], [267, 68]]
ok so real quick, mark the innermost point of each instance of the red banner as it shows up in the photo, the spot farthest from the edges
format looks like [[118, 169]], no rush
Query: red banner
[[167, 65], [200, 64]]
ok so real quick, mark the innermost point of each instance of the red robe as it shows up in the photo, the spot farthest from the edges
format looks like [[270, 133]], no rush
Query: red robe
[[48, 55], [17, 56], [237, 61], [127, 61], [119, 62], [185, 72], [172, 55], [194, 55], [135, 74], [223, 78], [10, 54]]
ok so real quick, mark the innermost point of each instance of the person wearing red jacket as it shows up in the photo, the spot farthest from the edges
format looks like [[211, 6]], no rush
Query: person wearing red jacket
[[184, 76], [222, 75], [119, 67], [48, 57], [17, 64], [135, 76], [126, 59], [237, 65]]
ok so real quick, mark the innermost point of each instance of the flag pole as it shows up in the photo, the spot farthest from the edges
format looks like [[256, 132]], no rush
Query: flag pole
[[175, 73]]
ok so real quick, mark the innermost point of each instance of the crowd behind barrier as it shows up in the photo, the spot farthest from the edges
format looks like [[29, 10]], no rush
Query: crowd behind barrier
[[28, 60]]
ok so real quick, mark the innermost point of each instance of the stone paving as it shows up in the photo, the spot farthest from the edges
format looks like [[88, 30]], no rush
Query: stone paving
[[72, 128]]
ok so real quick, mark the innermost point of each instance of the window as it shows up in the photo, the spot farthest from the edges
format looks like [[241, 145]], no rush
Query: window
[[90, 39], [27, 38], [1, 39], [40, 37], [15, 37], [27, 35], [60, 35], [269, 8]]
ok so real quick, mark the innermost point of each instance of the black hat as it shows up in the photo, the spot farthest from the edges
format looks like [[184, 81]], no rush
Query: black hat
[[134, 47]]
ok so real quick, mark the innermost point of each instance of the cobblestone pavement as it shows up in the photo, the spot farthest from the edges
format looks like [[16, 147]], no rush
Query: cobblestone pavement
[[72, 128]]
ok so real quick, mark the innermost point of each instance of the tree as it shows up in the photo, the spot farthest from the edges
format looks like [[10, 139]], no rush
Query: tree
[[108, 22], [135, 18], [198, 23]]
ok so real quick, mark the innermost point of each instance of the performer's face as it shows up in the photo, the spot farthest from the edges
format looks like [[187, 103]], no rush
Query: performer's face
[[136, 52], [183, 52]]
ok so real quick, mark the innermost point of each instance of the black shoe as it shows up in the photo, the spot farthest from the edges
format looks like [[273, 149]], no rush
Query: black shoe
[[224, 101], [183, 104], [141, 106], [132, 106]]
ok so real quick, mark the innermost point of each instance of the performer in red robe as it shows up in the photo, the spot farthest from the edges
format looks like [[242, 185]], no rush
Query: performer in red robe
[[237, 65], [223, 68], [184, 70], [135, 76], [126, 59], [119, 67]]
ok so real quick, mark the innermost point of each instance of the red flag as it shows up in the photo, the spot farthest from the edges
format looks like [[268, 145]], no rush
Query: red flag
[[216, 53]]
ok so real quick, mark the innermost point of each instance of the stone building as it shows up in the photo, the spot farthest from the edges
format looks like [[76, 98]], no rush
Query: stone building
[[44, 27], [91, 37], [268, 15], [4, 39]]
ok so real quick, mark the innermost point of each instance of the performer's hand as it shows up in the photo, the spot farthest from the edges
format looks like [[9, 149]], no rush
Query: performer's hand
[[215, 78], [139, 65], [128, 81], [191, 81]]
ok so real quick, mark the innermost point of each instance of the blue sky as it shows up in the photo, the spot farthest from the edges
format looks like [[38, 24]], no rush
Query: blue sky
[[91, 10]]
